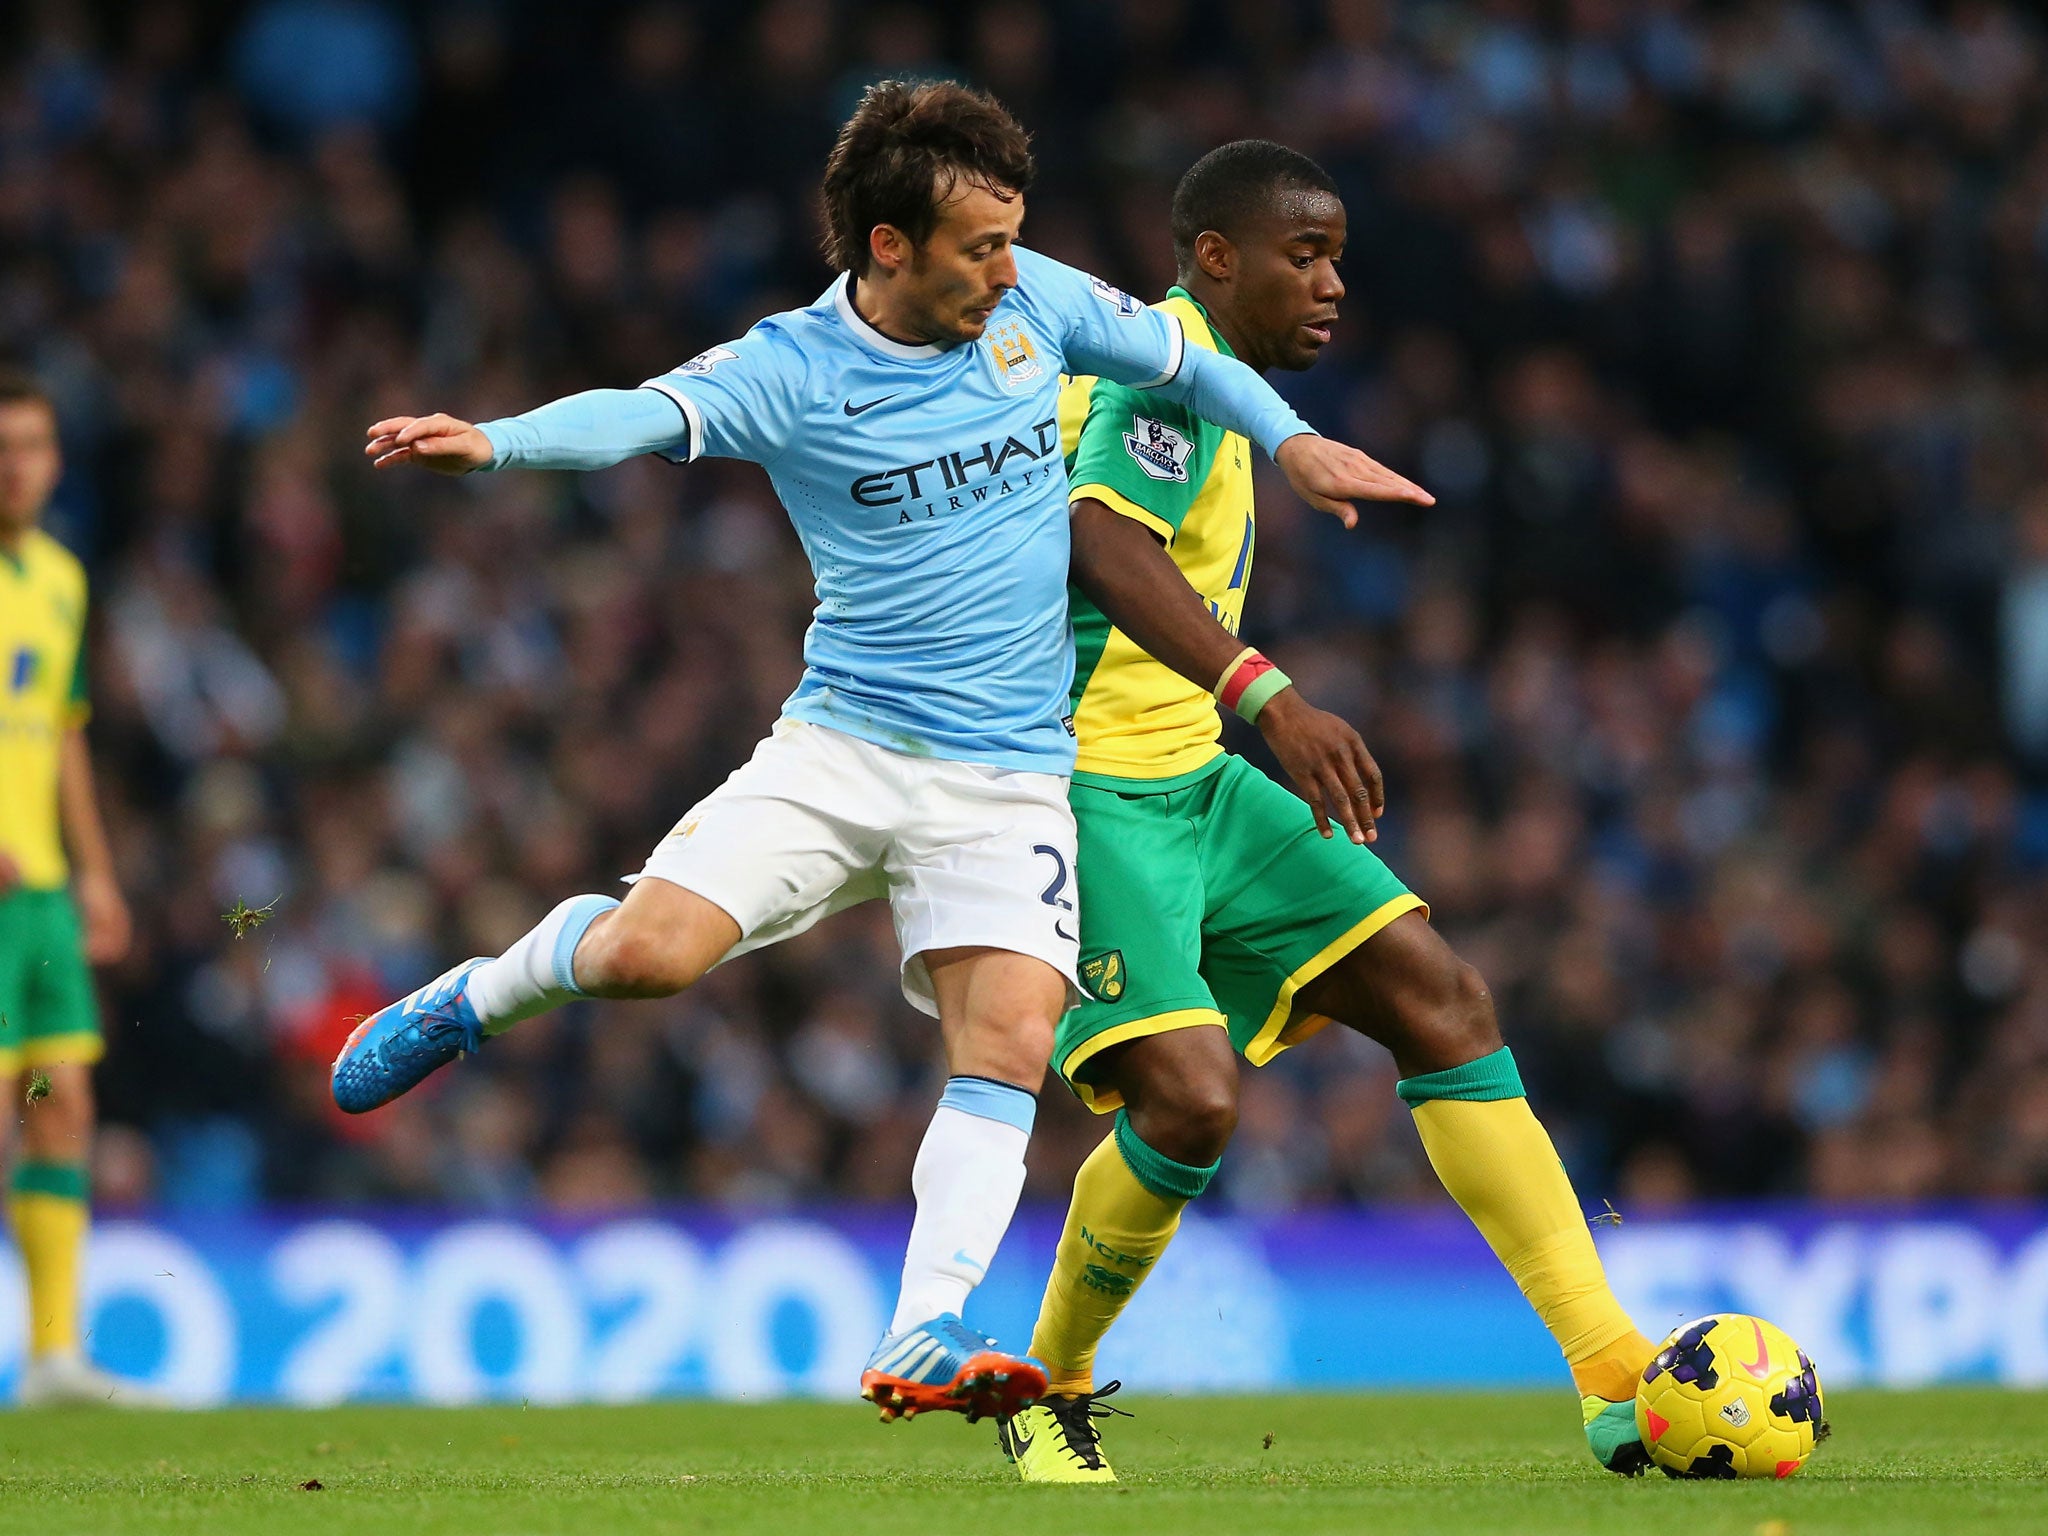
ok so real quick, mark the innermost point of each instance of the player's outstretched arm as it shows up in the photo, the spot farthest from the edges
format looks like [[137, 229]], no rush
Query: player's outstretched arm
[[1127, 573], [440, 443], [591, 430], [1327, 475], [1330, 476], [1111, 334]]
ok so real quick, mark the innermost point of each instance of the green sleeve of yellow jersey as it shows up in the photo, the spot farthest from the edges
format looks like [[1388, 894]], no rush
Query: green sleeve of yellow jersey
[[1142, 456]]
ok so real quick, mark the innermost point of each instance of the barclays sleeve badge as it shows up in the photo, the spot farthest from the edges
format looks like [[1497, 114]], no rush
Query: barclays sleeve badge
[[704, 362], [1115, 298], [1159, 450]]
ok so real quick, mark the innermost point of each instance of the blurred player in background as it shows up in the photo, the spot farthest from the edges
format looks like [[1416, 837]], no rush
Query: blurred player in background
[[60, 906], [1217, 918], [908, 421]]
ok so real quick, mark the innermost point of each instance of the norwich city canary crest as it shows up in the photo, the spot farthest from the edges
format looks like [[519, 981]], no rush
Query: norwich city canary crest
[[1105, 975]]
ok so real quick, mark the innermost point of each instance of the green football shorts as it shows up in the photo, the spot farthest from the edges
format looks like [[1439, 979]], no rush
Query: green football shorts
[[48, 1014], [1212, 902]]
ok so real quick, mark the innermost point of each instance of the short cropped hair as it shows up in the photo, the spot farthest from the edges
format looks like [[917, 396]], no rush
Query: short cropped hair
[[1234, 183], [18, 386], [902, 154]]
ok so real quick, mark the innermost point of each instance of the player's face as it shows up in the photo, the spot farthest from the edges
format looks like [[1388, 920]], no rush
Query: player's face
[[29, 463], [959, 275], [1287, 283]]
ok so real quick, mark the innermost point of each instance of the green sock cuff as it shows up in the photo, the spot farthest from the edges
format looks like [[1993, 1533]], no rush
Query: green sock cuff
[[1492, 1076], [1159, 1173], [65, 1181]]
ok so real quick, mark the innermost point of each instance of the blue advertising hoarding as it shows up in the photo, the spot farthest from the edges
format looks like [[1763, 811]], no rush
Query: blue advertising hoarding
[[325, 1307]]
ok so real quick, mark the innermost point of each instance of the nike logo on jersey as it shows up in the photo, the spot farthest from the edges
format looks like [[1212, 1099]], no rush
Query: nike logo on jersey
[[855, 410]]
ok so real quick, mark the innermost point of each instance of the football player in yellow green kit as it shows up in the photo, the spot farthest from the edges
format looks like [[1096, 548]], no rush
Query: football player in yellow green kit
[[56, 913], [1219, 916]]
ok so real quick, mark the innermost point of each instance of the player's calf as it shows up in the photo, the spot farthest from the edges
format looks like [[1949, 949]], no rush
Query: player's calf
[[49, 1214], [996, 1009], [1405, 988], [654, 944]]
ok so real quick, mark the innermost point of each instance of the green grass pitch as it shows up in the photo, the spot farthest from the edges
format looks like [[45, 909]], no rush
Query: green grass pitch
[[1950, 1462]]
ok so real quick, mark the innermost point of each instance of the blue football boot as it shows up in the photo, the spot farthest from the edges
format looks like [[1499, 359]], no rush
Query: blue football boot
[[395, 1048], [944, 1365]]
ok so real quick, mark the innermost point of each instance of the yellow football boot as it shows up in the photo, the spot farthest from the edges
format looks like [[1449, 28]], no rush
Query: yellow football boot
[[1055, 1440]]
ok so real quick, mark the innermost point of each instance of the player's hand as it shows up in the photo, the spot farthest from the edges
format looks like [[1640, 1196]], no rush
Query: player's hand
[[1328, 762], [1330, 476], [104, 913], [440, 443], [10, 874]]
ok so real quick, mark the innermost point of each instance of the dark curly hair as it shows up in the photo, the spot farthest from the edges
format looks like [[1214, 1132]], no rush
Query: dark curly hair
[[904, 150]]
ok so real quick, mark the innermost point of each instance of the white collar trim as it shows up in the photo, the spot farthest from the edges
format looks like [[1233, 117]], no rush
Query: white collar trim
[[842, 300]]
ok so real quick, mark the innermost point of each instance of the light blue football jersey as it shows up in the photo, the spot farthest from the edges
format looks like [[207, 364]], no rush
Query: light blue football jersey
[[927, 487]]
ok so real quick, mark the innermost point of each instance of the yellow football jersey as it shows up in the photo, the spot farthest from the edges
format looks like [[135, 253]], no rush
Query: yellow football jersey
[[1137, 722], [42, 695]]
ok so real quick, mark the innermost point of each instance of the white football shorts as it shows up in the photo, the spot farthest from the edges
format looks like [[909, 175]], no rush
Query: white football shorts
[[817, 821]]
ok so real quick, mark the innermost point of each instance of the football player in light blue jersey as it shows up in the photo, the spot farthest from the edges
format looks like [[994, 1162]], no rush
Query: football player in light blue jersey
[[908, 422]]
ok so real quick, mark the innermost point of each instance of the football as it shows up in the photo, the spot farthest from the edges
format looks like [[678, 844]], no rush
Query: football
[[1730, 1396]]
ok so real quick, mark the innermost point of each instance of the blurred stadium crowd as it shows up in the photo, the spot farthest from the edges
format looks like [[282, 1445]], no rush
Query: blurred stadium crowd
[[1712, 696]]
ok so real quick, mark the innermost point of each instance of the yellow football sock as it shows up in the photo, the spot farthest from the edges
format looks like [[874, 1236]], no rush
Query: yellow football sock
[[49, 1213], [1126, 1208], [1499, 1165]]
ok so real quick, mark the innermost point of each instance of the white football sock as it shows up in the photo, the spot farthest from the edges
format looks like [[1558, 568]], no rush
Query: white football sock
[[537, 973], [968, 1176]]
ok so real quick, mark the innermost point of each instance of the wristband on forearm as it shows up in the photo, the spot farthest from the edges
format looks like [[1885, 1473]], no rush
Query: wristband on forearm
[[1248, 684]]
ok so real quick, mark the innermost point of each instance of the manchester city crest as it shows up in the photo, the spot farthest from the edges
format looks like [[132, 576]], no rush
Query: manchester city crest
[[1015, 355]]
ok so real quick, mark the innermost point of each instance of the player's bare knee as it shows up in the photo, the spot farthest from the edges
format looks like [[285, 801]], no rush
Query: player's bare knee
[[1453, 1020], [623, 959], [1205, 1111], [58, 1125], [68, 1140], [1182, 1095]]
